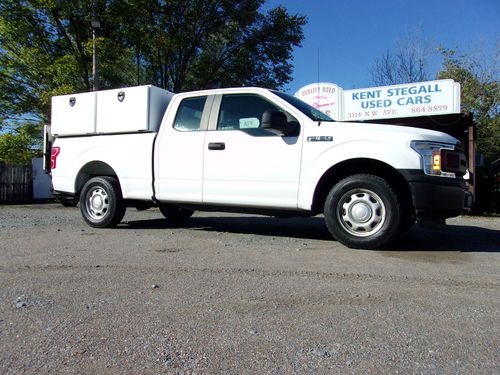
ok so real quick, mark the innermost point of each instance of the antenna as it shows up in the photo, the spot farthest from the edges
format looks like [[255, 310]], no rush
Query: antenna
[[318, 78]]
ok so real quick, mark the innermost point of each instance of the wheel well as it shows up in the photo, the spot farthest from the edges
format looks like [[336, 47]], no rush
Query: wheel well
[[92, 169], [357, 166]]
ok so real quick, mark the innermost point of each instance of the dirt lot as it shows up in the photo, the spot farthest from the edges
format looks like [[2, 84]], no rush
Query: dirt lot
[[237, 294]]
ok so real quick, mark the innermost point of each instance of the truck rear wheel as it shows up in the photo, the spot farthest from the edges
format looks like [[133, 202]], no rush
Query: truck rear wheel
[[175, 213], [101, 202], [363, 211]]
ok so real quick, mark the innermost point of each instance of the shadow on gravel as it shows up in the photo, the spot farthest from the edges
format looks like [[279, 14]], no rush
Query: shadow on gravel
[[303, 228], [451, 238], [467, 239]]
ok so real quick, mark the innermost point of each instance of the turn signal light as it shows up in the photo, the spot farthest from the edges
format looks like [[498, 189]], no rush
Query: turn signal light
[[436, 160]]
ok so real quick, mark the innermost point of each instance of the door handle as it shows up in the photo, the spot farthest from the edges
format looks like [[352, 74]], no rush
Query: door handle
[[217, 146]]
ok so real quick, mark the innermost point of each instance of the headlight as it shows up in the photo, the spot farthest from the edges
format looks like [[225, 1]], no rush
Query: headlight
[[431, 157]]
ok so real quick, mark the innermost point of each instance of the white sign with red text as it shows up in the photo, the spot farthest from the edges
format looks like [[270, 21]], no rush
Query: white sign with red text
[[407, 100], [323, 96]]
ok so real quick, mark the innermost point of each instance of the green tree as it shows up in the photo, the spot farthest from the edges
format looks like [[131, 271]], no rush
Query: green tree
[[480, 94], [46, 49], [20, 145], [183, 45]]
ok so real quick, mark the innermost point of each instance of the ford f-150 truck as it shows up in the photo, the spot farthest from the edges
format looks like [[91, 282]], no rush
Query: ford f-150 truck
[[249, 150]]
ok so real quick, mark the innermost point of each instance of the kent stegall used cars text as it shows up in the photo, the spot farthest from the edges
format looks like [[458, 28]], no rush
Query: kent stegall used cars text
[[400, 94]]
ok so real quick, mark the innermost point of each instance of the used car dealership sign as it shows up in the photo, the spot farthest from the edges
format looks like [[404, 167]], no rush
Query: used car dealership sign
[[407, 100], [323, 96]]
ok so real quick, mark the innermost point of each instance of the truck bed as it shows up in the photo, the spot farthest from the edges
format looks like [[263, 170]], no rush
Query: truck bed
[[132, 153]]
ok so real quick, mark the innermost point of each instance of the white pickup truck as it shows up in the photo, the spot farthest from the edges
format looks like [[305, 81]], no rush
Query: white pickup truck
[[249, 150]]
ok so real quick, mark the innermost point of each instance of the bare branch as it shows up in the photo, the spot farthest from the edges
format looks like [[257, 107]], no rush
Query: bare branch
[[406, 62]]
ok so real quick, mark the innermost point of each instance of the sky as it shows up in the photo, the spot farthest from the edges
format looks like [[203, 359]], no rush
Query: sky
[[348, 35]]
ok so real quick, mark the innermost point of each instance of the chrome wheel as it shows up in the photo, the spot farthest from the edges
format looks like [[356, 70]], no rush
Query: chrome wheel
[[97, 203], [361, 212], [101, 202]]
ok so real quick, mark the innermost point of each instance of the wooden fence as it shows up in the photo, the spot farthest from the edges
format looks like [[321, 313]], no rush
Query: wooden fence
[[15, 183]]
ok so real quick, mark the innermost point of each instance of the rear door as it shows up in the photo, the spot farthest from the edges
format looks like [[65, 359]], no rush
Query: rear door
[[179, 151]]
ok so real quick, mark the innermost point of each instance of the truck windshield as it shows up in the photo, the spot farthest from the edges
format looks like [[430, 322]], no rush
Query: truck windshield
[[303, 107]]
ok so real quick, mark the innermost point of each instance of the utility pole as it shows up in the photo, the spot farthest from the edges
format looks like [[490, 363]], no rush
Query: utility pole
[[95, 24]]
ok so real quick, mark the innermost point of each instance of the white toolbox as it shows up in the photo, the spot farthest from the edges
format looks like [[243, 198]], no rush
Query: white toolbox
[[73, 114], [139, 108], [131, 109]]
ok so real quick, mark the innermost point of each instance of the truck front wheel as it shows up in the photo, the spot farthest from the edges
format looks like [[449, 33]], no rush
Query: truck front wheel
[[363, 212], [101, 202]]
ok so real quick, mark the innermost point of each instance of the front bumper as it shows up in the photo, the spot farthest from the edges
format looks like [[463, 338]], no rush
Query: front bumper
[[437, 197]]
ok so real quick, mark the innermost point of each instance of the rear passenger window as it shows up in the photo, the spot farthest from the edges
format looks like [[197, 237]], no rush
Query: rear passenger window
[[189, 114]]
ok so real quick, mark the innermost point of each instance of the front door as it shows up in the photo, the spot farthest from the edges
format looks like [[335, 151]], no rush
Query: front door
[[245, 164]]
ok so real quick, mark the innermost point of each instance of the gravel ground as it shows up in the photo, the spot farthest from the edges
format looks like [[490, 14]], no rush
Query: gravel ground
[[242, 294]]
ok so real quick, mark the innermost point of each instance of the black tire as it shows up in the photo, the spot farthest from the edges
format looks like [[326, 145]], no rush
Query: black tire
[[363, 212], [175, 213], [101, 202]]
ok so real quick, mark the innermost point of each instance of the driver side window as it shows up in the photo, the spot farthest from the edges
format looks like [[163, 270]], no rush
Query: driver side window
[[245, 112]]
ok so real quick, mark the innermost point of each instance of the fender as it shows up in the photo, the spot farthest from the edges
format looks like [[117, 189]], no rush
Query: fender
[[392, 154]]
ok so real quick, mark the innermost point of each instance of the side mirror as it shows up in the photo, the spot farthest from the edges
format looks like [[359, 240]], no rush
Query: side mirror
[[274, 121], [292, 129]]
